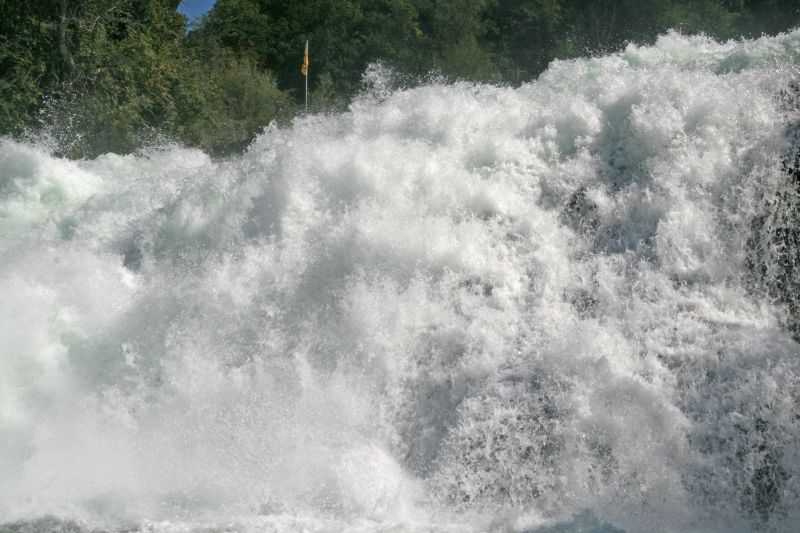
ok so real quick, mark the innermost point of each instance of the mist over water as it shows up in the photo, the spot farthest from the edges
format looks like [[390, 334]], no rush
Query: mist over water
[[452, 308]]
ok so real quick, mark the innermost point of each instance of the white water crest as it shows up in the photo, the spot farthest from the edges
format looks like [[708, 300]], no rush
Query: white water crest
[[452, 308]]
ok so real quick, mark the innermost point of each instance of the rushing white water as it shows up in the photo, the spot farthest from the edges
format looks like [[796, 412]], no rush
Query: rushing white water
[[454, 307]]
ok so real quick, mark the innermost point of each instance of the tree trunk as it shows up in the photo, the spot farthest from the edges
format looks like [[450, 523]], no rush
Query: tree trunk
[[66, 56]]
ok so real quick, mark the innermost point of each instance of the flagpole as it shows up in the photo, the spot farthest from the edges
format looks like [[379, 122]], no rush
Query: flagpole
[[306, 77]]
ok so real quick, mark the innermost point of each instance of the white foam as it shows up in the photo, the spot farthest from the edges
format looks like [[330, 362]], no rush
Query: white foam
[[452, 307]]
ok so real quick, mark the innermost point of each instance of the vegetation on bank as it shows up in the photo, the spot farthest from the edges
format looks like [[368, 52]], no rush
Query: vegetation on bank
[[112, 75]]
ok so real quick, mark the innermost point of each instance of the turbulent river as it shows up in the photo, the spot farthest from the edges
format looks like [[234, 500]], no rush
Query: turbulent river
[[455, 307]]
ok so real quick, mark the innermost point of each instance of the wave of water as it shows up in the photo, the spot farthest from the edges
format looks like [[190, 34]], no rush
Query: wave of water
[[454, 307]]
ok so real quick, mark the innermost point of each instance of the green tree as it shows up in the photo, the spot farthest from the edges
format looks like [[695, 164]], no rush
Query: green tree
[[523, 34], [106, 75], [27, 62]]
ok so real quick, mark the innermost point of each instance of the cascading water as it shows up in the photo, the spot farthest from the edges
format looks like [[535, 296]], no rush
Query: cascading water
[[453, 307]]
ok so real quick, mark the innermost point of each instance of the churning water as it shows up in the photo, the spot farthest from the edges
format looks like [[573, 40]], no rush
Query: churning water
[[454, 307]]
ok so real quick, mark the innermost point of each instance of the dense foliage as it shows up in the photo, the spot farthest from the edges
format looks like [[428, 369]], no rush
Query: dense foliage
[[113, 74], [123, 73]]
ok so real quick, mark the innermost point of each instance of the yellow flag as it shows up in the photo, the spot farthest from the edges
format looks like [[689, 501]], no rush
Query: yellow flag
[[304, 68]]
